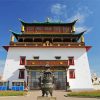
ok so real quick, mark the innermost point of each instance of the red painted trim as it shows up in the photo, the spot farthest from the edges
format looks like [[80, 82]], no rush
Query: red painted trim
[[88, 48], [21, 74], [22, 60], [72, 73], [71, 60], [6, 47]]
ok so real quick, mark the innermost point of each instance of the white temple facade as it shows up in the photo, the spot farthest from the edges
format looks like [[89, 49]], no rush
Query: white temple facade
[[54, 44]]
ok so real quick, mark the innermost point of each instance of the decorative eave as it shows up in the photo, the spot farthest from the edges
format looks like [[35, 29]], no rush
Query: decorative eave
[[47, 62], [16, 34], [6, 47], [86, 47], [47, 23], [48, 35]]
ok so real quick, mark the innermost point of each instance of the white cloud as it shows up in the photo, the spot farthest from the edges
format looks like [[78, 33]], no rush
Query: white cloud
[[58, 9], [1, 49], [59, 12], [2, 62], [81, 14], [95, 71], [83, 28], [80, 29], [81, 17]]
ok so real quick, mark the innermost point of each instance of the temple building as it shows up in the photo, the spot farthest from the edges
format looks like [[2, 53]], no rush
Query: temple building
[[54, 44]]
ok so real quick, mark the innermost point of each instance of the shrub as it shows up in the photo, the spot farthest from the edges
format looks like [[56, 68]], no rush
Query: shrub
[[12, 93], [85, 94]]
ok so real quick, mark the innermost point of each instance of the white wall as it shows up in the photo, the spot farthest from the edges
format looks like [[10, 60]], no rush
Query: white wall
[[83, 78]]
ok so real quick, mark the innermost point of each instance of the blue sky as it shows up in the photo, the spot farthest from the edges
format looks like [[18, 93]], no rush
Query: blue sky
[[86, 11]]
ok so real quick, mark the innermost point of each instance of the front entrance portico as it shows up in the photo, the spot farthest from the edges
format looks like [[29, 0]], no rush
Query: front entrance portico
[[35, 70]]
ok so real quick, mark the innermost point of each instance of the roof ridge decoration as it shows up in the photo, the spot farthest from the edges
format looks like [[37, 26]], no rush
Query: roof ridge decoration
[[47, 22]]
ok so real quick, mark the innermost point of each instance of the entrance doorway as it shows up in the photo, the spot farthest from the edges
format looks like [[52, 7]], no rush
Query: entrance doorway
[[59, 79], [34, 79]]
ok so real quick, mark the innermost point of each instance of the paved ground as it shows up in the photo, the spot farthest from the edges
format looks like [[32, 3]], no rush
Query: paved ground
[[33, 96]]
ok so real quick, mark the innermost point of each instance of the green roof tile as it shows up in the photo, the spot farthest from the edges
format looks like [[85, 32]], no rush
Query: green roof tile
[[47, 23], [78, 35]]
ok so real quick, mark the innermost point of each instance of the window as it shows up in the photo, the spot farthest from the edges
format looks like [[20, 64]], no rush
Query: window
[[38, 28], [58, 57], [1, 83], [21, 73], [17, 83], [72, 73], [71, 60], [36, 57], [30, 28], [22, 60]]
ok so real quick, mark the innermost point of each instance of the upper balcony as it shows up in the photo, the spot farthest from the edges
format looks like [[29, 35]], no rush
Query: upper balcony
[[47, 44]]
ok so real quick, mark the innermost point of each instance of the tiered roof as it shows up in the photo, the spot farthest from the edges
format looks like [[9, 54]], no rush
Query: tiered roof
[[72, 35], [78, 35]]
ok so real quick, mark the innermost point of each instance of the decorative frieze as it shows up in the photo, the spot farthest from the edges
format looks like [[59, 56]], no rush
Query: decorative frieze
[[45, 62]]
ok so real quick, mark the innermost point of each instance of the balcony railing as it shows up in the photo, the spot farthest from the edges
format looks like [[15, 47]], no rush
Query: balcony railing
[[54, 44]]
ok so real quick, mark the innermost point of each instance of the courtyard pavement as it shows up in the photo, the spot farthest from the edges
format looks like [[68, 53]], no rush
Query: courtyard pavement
[[32, 95]]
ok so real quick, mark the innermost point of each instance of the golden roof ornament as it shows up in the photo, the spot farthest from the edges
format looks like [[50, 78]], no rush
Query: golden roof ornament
[[48, 19]]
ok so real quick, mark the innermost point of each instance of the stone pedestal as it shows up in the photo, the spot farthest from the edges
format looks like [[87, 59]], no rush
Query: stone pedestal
[[46, 98]]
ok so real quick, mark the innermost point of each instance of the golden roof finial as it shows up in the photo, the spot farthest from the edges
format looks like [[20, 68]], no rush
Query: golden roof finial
[[48, 19]]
